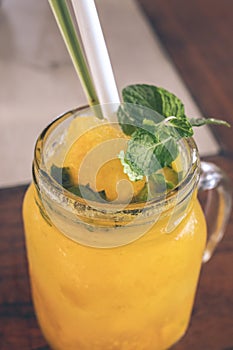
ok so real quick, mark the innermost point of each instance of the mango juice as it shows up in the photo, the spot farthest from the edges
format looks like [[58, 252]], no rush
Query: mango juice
[[133, 296]]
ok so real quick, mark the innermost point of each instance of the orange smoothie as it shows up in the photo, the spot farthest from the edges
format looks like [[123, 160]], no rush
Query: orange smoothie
[[134, 296]]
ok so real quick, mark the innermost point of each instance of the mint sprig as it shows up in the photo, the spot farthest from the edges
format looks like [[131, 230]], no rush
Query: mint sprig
[[155, 119]]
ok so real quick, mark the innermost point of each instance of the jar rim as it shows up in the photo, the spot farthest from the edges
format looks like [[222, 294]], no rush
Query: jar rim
[[60, 194]]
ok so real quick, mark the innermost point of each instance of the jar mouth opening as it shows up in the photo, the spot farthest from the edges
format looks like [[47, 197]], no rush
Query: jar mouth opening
[[42, 177]]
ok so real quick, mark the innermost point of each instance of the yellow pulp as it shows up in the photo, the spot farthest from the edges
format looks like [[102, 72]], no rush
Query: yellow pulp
[[134, 297], [107, 172]]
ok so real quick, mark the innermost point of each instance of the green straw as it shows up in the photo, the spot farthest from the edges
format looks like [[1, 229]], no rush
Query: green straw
[[65, 24]]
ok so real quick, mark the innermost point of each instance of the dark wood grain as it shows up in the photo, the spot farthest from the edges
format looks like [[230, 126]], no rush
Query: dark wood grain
[[197, 35]]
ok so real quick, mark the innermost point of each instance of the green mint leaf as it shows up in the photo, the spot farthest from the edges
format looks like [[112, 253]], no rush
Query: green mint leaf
[[86, 192], [146, 154], [132, 175], [61, 175], [156, 184], [181, 126], [126, 120], [166, 150], [205, 121], [140, 153], [147, 106], [151, 98], [133, 116], [155, 98]]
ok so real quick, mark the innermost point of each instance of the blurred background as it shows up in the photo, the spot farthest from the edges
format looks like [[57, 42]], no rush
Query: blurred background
[[38, 81]]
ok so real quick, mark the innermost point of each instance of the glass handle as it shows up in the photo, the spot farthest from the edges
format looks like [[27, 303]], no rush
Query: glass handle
[[216, 188]]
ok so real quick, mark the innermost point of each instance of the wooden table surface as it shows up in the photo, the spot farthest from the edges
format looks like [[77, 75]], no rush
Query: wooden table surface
[[198, 36]]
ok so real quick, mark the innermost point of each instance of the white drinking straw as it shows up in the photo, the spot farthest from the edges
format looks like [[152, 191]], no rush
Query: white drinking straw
[[96, 50]]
